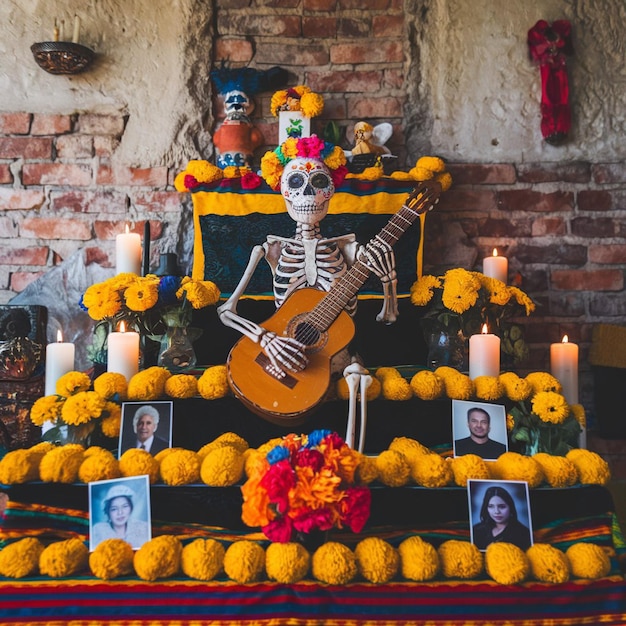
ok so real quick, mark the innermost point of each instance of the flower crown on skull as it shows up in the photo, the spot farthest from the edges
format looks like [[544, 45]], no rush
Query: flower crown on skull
[[273, 162]]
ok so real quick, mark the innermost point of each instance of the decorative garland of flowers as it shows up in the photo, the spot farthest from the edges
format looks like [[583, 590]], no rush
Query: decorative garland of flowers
[[298, 98], [305, 483], [202, 173], [273, 162]]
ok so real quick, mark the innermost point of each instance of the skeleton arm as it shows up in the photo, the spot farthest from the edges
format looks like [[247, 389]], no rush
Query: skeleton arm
[[283, 352], [379, 258]]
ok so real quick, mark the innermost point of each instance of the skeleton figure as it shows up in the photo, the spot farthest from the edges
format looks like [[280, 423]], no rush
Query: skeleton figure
[[308, 260]]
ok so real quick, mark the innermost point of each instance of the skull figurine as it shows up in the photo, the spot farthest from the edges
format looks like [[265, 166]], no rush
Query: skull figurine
[[307, 187]]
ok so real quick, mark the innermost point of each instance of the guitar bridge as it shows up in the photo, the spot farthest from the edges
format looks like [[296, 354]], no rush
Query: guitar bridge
[[280, 375]]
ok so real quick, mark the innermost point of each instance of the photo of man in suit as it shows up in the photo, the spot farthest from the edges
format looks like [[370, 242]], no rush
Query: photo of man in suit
[[140, 431]]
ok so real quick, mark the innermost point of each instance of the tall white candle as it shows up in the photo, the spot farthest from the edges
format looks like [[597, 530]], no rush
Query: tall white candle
[[123, 352], [496, 266], [76, 32], [564, 367], [484, 354], [128, 253], [59, 361]]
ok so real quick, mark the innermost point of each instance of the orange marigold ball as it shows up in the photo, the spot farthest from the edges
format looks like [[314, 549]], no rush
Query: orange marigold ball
[[203, 559], [136, 462], [377, 560], [158, 558], [393, 468], [112, 558], [287, 563], [548, 564], [506, 563], [244, 561], [180, 467], [64, 558], [334, 564], [419, 560], [21, 558], [460, 559], [587, 560]]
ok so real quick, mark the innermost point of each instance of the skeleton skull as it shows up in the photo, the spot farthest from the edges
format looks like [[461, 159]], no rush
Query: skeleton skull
[[307, 187]]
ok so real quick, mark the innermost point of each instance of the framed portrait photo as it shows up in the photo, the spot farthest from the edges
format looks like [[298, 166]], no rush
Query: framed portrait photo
[[120, 509], [499, 511], [479, 428], [146, 425]]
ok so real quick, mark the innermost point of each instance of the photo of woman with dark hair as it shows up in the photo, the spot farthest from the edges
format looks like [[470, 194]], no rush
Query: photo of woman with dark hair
[[498, 517]]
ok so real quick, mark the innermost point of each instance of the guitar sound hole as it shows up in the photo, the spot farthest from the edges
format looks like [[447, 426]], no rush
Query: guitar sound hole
[[306, 334]]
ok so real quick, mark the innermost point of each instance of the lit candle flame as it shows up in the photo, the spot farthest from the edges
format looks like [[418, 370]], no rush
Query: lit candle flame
[[495, 252], [59, 336], [485, 330], [127, 229], [122, 327], [565, 339]]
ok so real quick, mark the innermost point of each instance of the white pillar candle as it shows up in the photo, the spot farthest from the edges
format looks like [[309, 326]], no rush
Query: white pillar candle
[[496, 266], [128, 253], [564, 367], [484, 354], [123, 352], [59, 361]]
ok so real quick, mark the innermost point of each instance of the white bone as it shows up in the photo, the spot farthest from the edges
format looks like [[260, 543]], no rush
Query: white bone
[[366, 381]]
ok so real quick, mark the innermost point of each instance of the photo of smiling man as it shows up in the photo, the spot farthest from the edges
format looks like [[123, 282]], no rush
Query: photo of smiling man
[[146, 426], [485, 425]]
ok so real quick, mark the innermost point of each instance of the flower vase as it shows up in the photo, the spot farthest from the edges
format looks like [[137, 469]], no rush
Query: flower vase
[[176, 352], [447, 349]]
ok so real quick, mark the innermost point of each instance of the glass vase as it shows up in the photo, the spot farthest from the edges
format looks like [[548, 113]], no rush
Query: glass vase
[[447, 348], [176, 352]]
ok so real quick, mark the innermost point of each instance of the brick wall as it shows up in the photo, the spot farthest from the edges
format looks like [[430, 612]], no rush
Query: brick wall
[[560, 224]]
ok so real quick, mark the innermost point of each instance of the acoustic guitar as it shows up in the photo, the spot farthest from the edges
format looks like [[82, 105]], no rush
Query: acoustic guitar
[[317, 319]]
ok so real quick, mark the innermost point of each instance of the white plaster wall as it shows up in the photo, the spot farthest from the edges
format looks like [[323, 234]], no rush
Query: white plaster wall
[[484, 92], [153, 65]]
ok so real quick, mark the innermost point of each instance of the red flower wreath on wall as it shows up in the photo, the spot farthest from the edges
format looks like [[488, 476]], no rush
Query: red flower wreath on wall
[[548, 44]]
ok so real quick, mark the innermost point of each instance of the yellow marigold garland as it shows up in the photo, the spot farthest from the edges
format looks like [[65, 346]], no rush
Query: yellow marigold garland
[[592, 468], [112, 558], [158, 558], [488, 388], [431, 470], [181, 386], [427, 385], [64, 558], [559, 471], [506, 563], [542, 381], [334, 564], [548, 564], [136, 462], [222, 467], [396, 389], [61, 464], [21, 558], [111, 385], [419, 561], [287, 563], [377, 560], [588, 560], [148, 384], [393, 468], [409, 447], [469, 467], [515, 466], [213, 383], [244, 561], [516, 388], [99, 465], [180, 467], [460, 559], [203, 559]]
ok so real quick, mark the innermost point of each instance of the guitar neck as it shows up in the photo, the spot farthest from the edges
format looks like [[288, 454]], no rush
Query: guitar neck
[[336, 300]]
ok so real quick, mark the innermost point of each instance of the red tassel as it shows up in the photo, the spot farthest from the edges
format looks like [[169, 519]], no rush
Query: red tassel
[[548, 45]]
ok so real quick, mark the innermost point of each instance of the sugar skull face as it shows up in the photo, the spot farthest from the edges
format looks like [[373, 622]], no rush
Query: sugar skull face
[[307, 188], [237, 105]]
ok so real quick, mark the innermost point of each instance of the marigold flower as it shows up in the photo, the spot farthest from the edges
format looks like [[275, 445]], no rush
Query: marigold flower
[[550, 407], [488, 388], [222, 467], [548, 564], [515, 466], [542, 381], [431, 470], [46, 409], [71, 383], [199, 294], [458, 386], [460, 290], [158, 558], [419, 561], [100, 465], [592, 468], [396, 389], [137, 462], [445, 180], [377, 560], [522, 299], [410, 448], [516, 388], [559, 471], [419, 173], [213, 383], [111, 424], [434, 164], [180, 467], [460, 559], [506, 563], [578, 411], [21, 558], [311, 104], [82, 407], [61, 464], [181, 386], [588, 560], [423, 289], [469, 467], [148, 384], [102, 301], [203, 559], [334, 564], [427, 385], [367, 470], [393, 468], [111, 385], [112, 558], [64, 558], [225, 439], [244, 561], [19, 466], [142, 295], [203, 171], [287, 563], [498, 291]]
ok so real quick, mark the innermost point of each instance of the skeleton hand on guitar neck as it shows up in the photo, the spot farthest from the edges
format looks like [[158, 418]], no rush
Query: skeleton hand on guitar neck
[[289, 358]]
